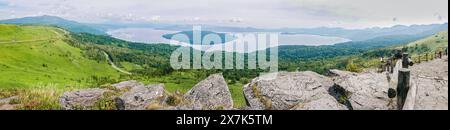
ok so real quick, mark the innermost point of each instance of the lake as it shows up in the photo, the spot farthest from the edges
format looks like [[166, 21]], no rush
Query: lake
[[148, 35]]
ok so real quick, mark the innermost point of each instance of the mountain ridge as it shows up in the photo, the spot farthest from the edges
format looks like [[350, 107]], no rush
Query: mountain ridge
[[352, 34]]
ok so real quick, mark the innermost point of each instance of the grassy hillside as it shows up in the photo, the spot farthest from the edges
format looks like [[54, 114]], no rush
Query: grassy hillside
[[38, 56], [434, 43], [420, 47], [14, 33]]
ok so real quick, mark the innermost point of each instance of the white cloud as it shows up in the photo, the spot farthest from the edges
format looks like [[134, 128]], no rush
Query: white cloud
[[156, 18]]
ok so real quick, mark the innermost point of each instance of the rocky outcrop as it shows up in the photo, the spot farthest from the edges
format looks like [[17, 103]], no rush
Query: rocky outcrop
[[5, 103], [141, 97], [211, 93], [185, 106], [127, 84], [341, 90], [324, 103], [7, 100], [364, 91], [81, 99], [128, 95], [338, 73], [296, 90]]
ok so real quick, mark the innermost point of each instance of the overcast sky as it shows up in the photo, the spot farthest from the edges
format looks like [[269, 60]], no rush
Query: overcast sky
[[254, 13]]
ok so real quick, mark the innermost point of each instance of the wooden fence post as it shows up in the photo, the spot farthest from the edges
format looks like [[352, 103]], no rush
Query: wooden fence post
[[426, 57], [403, 87], [392, 65], [446, 51], [389, 64], [405, 60], [440, 54]]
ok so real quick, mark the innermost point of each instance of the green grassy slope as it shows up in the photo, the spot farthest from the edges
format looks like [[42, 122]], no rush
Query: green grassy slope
[[434, 43], [431, 44], [38, 56], [12, 33]]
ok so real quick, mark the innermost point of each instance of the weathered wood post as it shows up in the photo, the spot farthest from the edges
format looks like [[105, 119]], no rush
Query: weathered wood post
[[446, 51], [405, 60], [440, 54], [426, 57], [391, 65], [388, 65], [402, 87]]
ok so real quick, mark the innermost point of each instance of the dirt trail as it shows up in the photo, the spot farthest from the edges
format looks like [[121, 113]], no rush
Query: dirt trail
[[36, 40], [114, 65]]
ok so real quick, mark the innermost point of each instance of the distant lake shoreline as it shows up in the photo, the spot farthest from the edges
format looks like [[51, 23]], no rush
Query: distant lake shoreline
[[150, 36], [143, 35]]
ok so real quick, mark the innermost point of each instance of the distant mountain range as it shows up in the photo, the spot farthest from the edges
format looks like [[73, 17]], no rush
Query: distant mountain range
[[371, 33], [352, 34], [78, 27], [356, 35], [72, 26]]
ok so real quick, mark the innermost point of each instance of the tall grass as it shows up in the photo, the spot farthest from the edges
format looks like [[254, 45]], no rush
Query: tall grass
[[42, 97]]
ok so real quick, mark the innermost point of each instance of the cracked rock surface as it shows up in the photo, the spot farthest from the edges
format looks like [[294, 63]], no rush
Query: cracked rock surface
[[291, 90]]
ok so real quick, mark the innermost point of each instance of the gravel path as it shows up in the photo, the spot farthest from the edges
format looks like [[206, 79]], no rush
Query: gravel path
[[431, 79]]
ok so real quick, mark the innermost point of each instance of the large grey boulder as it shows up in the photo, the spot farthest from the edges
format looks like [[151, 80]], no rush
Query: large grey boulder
[[81, 99], [295, 90], [211, 93], [339, 73], [127, 84], [363, 91], [141, 97]]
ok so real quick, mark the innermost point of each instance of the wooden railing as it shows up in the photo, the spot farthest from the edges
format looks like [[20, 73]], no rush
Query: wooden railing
[[404, 85], [389, 64], [430, 56]]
